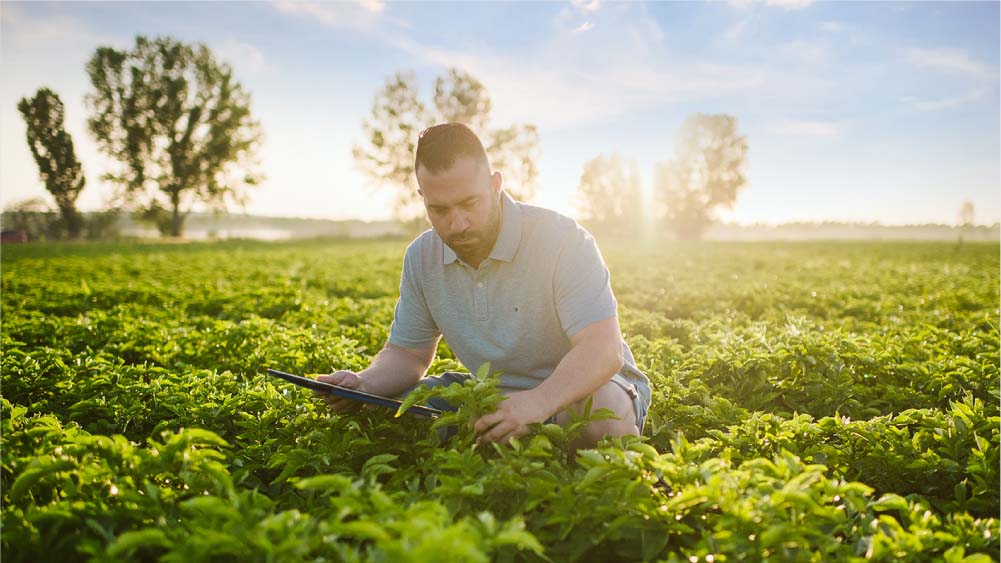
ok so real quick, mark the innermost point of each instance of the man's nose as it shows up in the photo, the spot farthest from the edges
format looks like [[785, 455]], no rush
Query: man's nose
[[459, 223]]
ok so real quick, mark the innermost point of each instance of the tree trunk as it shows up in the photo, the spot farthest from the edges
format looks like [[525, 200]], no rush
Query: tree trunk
[[176, 218], [73, 221]]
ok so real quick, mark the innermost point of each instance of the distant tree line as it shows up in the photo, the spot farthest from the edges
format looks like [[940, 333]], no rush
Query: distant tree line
[[180, 132]]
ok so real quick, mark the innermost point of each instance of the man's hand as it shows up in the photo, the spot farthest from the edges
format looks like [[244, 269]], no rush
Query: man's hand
[[512, 417], [343, 378]]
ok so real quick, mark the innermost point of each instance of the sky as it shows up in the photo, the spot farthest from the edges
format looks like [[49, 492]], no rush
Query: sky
[[853, 111]]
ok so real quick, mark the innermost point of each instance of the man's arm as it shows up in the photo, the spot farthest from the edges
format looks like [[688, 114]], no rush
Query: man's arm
[[394, 370], [595, 356]]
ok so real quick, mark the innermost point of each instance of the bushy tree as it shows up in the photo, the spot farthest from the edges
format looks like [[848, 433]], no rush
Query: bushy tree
[[609, 196], [178, 124], [398, 116], [52, 148], [706, 173]]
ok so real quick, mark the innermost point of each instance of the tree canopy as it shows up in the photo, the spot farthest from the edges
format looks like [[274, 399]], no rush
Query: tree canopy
[[705, 174], [609, 196], [177, 123]]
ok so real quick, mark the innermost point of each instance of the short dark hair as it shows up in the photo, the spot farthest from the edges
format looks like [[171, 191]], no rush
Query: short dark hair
[[440, 145]]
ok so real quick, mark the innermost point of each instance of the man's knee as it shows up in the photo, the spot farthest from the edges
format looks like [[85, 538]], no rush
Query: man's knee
[[612, 428], [609, 396]]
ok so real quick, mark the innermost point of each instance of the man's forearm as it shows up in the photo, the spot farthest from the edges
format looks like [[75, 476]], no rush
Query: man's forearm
[[395, 370], [585, 368]]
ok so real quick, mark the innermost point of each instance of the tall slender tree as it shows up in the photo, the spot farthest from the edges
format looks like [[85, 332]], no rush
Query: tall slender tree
[[52, 148], [178, 124]]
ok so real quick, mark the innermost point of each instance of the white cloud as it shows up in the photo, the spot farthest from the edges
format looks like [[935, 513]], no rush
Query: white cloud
[[941, 103], [586, 5], [832, 26], [806, 128], [24, 31], [577, 17], [362, 14], [373, 5], [243, 57], [326, 14], [734, 32], [789, 4], [948, 59], [588, 90], [784, 4], [624, 66]]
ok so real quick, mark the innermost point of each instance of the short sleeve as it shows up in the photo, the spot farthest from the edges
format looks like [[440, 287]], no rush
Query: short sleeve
[[413, 326], [582, 284]]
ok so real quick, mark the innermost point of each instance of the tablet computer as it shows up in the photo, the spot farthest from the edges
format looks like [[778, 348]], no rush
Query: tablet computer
[[349, 393]]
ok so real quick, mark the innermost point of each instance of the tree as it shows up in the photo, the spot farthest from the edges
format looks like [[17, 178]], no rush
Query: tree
[[608, 196], [178, 124], [706, 173], [965, 220], [52, 148], [514, 151], [966, 214], [33, 217], [398, 116]]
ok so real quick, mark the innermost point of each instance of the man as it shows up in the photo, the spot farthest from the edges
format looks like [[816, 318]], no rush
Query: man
[[521, 287]]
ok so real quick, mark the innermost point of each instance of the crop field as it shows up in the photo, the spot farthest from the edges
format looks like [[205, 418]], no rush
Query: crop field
[[811, 402]]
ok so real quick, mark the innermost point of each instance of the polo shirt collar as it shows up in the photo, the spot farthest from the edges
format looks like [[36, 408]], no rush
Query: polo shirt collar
[[509, 238]]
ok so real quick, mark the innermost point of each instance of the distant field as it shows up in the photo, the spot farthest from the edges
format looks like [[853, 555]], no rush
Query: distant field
[[812, 402]]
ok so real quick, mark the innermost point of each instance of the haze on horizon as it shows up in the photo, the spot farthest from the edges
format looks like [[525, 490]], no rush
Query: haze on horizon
[[883, 112]]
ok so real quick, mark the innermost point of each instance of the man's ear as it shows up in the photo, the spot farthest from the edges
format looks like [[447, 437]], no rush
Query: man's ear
[[496, 180]]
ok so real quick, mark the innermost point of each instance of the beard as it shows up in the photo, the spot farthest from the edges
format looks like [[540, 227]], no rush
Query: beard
[[477, 243]]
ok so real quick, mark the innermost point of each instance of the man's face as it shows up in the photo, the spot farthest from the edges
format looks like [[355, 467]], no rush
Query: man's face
[[464, 206]]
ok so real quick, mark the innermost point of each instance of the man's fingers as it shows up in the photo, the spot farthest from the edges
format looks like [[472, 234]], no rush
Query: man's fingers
[[342, 378], [484, 423], [499, 431]]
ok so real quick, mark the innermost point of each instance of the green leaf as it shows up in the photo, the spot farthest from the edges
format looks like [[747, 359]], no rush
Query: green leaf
[[126, 544], [410, 400], [890, 501], [364, 529], [27, 479], [325, 482]]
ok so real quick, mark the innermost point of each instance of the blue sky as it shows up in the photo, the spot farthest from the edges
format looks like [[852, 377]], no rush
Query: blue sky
[[853, 111]]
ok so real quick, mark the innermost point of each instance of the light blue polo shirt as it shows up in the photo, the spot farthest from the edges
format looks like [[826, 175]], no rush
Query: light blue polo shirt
[[544, 281]]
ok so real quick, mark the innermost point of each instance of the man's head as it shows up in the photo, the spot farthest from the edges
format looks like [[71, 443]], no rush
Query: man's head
[[461, 195]]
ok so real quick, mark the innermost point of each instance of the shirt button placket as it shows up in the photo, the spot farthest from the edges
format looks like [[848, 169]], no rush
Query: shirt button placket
[[480, 299]]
